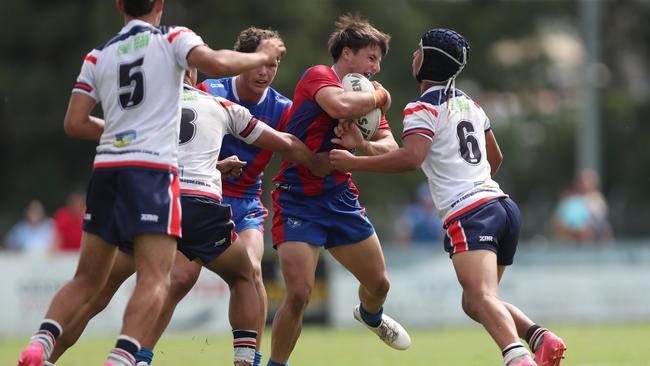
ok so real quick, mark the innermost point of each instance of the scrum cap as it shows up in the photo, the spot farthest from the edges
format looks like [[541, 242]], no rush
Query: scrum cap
[[444, 54]]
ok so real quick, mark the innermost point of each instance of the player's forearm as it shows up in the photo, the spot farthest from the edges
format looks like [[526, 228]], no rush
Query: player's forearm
[[225, 62], [351, 105], [384, 145], [395, 161]]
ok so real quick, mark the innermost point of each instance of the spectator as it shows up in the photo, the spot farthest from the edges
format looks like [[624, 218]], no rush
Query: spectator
[[420, 223], [34, 234], [67, 223], [582, 212]]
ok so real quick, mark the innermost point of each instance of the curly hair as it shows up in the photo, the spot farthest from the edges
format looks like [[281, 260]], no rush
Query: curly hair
[[356, 33], [250, 38]]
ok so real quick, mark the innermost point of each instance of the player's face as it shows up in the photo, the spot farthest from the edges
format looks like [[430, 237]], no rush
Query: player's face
[[260, 78], [417, 61], [366, 61]]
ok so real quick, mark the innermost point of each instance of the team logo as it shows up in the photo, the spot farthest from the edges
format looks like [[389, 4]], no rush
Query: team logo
[[124, 138], [251, 216], [293, 222], [220, 242]]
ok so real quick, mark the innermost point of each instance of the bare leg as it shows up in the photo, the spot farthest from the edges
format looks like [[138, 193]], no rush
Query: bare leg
[[183, 277], [298, 262], [522, 321], [153, 255], [253, 241], [477, 274], [122, 269], [371, 271]]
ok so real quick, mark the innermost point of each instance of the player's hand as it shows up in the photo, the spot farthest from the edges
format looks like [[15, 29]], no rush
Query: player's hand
[[342, 160], [273, 48], [348, 135], [231, 167], [386, 106], [321, 166]]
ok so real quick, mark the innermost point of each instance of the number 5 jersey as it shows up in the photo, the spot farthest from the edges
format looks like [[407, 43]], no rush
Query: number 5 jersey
[[137, 77], [456, 166]]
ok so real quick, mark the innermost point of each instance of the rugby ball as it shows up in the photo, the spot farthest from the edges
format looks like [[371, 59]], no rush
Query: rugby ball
[[369, 123]]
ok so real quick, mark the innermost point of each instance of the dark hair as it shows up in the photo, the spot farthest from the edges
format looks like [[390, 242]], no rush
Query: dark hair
[[250, 38], [136, 8], [355, 33]]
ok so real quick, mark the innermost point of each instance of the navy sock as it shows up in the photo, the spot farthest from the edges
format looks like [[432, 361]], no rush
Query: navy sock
[[51, 326], [144, 355], [372, 320], [535, 336], [125, 350]]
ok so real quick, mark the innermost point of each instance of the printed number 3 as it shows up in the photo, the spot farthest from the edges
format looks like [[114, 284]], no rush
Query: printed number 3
[[469, 148], [188, 127], [132, 82]]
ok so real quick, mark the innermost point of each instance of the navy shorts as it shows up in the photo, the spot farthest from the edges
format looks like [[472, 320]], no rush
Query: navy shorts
[[493, 226], [208, 229], [123, 203], [248, 213], [331, 219]]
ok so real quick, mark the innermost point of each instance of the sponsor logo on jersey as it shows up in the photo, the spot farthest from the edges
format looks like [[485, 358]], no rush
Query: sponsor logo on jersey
[[149, 217], [190, 95], [293, 222], [459, 104], [134, 43], [220, 242], [124, 138]]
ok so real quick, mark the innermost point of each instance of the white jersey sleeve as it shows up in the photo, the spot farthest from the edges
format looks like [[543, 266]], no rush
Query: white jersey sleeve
[[86, 81], [183, 40], [241, 123], [420, 118]]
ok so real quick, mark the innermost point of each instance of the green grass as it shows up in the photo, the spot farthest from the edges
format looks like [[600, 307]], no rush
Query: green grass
[[620, 345]]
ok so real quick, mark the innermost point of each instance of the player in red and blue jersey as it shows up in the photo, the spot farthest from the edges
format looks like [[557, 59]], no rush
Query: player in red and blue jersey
[[253, 91], [312, 212], [133, 195], [450, 138]]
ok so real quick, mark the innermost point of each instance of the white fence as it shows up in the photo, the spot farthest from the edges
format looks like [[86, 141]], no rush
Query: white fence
[[551, 283]]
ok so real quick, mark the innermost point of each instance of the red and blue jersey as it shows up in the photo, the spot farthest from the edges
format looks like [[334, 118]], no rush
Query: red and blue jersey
[[315, 128], [270, 109]]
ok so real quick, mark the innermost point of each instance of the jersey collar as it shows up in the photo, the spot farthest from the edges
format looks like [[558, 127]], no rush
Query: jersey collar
[[233, 81]]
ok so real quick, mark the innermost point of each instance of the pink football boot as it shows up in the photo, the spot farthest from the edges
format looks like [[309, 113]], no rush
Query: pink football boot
[[551, 351]]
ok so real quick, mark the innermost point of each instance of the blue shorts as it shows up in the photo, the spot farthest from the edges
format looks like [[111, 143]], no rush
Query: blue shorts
[[248, 213], [492, 226], [330, 219], [207, 229], [123, 203]]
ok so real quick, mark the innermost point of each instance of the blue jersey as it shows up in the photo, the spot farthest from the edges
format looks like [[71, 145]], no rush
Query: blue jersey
[[270, 110]]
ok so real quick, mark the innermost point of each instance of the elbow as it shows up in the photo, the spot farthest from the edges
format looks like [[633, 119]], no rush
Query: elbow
[[69, 127]]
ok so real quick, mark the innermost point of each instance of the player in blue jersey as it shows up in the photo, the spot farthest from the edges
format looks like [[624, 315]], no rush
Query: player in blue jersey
[[312, 212], [450, 138], [251, 89], [133, 194]]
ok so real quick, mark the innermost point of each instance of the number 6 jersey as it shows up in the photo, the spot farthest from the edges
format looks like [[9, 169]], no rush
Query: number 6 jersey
[[457, 168], [137, 77]]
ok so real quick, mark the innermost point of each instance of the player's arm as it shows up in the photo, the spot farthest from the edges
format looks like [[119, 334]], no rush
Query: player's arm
[[408, 157], [78, 122], [292, 149], [349, 136], [226, 62], [494, 155], [341, 104]]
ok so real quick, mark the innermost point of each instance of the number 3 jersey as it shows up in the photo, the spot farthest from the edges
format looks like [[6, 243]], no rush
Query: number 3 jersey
[[137, 77], [206, 119], [456, 166]]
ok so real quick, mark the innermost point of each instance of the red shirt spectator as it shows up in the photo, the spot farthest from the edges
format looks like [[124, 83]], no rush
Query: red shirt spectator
[[67, 223]]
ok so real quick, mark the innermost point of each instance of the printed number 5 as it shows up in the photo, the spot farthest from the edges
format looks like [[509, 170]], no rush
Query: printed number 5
[[132, 82]]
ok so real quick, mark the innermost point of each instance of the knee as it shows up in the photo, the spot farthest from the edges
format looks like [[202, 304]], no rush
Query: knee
[[182, 283], [380, 288], [473, 300], [257, 271], [297, 297]]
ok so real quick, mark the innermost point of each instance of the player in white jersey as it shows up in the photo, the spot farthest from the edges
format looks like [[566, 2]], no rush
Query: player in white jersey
[[133, 194], [207, 119], [449, 136]]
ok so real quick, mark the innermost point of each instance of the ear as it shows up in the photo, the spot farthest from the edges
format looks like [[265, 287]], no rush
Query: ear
[[346, 52], [159, 5], [120, 5]]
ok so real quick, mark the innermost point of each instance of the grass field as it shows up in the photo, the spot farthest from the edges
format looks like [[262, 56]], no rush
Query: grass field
[[587, 346]]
